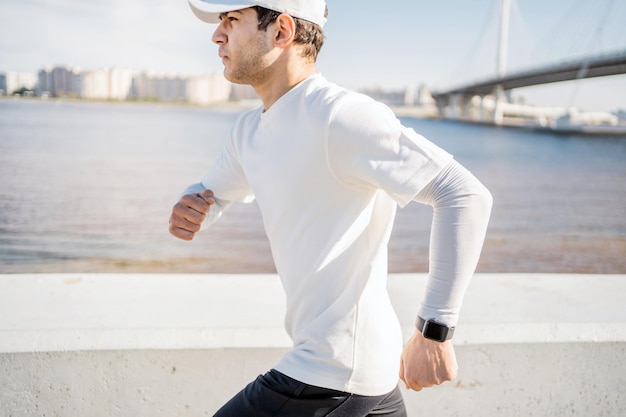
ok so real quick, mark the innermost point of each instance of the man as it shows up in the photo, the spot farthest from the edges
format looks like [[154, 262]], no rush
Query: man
[[328, 167]]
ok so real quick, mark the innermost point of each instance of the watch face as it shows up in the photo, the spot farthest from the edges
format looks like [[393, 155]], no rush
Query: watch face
[[435, 331]]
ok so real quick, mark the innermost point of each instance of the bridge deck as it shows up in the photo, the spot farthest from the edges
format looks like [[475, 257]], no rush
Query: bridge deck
[[606, 65]]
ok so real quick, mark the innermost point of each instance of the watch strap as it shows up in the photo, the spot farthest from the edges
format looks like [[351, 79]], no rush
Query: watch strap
[[433, 330]]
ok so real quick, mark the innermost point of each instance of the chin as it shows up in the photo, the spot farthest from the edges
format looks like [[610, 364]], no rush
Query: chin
[[235, 80], [229, 76]]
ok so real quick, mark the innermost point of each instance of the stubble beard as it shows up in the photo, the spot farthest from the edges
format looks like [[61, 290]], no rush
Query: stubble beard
[[250, 66]]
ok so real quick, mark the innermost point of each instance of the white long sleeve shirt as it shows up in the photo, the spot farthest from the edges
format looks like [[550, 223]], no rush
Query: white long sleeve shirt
[[328, 168]]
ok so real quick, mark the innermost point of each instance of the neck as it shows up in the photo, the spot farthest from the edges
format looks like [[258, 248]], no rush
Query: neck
[[283, 79]]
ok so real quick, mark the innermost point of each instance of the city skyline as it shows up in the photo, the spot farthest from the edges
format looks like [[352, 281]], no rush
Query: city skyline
[[120, 84], [409, 45]]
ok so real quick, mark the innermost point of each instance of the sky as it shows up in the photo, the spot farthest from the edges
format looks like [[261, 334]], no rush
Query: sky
[[403, 43]]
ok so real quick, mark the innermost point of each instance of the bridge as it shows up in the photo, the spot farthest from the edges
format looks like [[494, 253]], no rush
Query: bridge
[[486, 100], [460, 102], [605, 65]]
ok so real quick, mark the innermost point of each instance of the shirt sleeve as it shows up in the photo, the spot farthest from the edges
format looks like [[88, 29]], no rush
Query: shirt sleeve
[[461, 211], [216, 209], [226, 177], [368, 146]]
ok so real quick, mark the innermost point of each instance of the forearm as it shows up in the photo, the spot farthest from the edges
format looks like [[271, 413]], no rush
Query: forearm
[[462, 206]]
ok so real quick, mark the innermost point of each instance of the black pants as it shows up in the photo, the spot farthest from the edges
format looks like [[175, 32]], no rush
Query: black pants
[[277, 395]]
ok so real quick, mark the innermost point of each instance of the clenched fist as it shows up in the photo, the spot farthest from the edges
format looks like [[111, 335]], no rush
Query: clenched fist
[[426, 363], [189, 213]]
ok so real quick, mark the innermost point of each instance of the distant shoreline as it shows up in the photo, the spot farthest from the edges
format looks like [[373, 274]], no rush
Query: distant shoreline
[[417, 112], [223, 105]]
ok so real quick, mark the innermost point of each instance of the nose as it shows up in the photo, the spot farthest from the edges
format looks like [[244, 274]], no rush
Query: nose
[[219, 36]]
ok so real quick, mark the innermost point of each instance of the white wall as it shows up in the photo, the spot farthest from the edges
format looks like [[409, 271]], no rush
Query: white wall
[[181, 345]]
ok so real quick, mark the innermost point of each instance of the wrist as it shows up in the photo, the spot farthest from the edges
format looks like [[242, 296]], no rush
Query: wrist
[[432, 330]]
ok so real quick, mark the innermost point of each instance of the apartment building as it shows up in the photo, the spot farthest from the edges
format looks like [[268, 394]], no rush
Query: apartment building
[[59, 81], [13, 82], [123, 84], [208, 89], [108, 84]]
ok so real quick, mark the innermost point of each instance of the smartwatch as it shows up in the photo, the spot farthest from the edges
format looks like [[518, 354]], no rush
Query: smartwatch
[[433, 330]]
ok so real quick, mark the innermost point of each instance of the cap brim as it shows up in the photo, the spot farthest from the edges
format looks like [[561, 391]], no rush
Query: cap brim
[[210, 12]]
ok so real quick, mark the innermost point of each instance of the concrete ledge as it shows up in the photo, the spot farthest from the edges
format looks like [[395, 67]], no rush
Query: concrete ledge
[[61, 312], [181, 345]]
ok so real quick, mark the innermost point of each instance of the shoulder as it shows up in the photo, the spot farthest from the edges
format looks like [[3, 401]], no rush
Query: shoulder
[[319, 92], [320, 89], [246, 121], [356, 113], [345, 106], [249, 116]]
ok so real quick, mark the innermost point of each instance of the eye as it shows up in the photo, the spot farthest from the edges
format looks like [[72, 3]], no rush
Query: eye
[[227, 16]]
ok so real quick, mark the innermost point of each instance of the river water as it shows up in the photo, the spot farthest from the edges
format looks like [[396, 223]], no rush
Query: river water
[[88, 187]]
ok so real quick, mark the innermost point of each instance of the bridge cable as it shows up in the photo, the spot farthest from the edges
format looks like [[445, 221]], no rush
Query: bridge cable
[[546, 44], [518, 40], [595, 40], [461, 70], [597, 37]]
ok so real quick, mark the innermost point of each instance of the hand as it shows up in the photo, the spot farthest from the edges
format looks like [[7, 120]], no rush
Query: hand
[[425, 362], [189, 213]]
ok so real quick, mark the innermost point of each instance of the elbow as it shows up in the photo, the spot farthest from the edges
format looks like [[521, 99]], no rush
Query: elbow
[[481, 201], [485, 199], [456, 188], [475, 198]]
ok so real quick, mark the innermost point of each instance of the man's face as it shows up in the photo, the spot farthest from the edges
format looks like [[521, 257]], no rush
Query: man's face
[[245, 50]]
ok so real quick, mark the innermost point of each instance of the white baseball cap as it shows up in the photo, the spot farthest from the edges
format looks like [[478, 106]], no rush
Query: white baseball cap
[[310, 10]]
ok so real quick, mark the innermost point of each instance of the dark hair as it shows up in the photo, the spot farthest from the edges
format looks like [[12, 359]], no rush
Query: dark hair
[[309, 35]]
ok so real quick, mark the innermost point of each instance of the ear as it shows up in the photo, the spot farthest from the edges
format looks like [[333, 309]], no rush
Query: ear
[[285, 30]]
